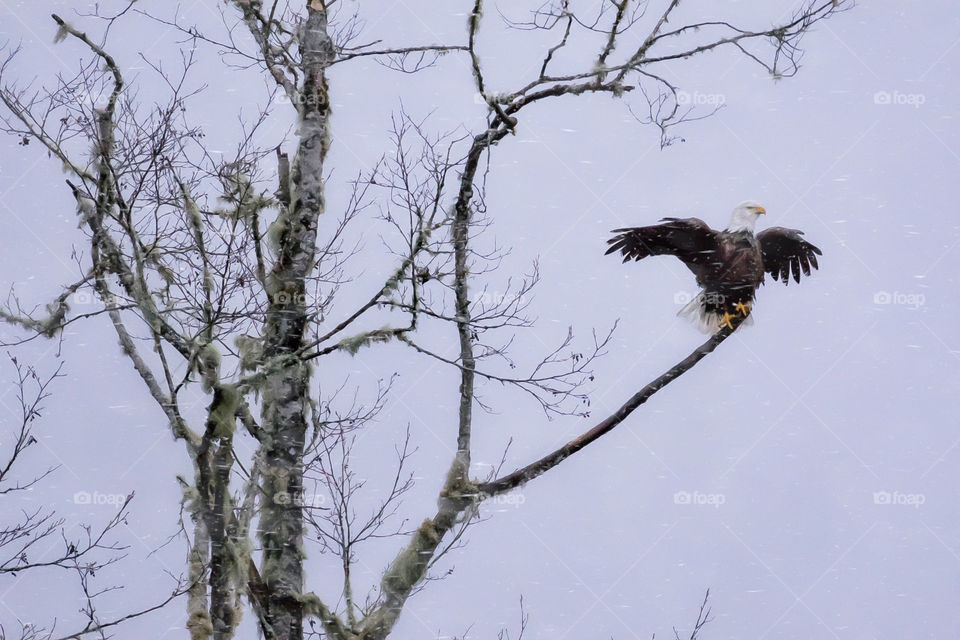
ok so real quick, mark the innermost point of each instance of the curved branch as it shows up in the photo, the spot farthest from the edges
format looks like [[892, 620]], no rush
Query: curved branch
[[544, 464]]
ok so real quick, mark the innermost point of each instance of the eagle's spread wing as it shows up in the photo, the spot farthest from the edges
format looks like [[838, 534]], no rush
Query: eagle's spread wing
[[690, 239], [785, 252]]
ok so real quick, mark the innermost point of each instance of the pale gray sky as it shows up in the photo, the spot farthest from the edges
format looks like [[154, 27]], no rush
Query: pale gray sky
[[822, 441]]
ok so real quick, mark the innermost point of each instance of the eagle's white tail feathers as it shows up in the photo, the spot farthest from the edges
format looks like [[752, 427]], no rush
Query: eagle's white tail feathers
[[705, 321], [694, 312]]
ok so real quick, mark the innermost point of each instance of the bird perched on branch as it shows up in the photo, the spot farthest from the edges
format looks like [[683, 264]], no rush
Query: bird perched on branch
[[729, 264]]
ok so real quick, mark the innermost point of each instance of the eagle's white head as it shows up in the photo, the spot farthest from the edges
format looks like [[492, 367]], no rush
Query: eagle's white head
[[744, 217]]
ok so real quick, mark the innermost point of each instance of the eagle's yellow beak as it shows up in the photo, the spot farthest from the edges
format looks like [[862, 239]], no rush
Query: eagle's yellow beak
[[760, 209]]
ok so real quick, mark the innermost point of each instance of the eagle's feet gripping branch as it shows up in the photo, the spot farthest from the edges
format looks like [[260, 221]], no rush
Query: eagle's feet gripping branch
[[742, 310]]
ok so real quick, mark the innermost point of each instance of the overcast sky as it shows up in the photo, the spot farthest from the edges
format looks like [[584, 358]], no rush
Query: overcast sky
[[806, 472]]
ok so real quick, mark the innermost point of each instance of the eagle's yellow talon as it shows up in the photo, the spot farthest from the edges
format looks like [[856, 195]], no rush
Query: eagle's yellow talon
[[725, 320], [743, 308]]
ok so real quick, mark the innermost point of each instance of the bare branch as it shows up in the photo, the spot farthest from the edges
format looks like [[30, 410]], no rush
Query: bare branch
[[549, 461]]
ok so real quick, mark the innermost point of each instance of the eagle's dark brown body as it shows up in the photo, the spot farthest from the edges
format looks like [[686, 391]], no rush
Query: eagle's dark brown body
[[731, 274], [729, 265]]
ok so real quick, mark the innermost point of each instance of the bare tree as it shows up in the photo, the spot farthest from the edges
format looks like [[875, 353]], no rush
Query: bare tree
[[223, 274], [37, 540]]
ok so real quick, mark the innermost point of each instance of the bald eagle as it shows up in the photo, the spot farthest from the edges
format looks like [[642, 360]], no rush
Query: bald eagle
[[729, 264]]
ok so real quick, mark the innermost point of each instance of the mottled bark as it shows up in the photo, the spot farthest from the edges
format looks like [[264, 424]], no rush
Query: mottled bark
[[286, 390], [214, 461]]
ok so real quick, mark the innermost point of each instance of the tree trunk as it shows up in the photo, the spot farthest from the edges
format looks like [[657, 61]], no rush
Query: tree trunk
[[285, 390]]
